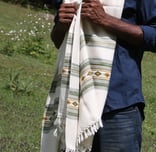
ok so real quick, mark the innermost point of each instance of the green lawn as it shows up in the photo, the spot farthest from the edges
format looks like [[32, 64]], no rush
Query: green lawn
[[21, 111], [25, 82], [149, 89]]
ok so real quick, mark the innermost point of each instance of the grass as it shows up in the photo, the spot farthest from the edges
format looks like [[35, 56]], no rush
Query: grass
[[24, 84], [21, 113], [149, 89], [7, 19]]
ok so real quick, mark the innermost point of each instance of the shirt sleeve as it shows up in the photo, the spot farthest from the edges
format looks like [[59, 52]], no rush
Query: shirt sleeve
[[149, 38], [148, 24], [56, 3]]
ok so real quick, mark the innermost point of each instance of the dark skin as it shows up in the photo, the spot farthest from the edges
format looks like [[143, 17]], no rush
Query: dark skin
[[93, 10]]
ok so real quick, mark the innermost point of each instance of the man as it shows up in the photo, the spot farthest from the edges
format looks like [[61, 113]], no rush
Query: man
[[136, 33]]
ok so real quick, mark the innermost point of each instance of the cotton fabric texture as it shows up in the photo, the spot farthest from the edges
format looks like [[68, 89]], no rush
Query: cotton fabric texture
[[78, 92]]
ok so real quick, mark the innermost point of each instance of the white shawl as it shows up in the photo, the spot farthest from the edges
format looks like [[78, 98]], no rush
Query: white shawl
[[78, 93]]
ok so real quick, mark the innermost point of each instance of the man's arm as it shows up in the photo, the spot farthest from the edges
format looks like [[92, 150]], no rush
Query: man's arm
[[131, 34], [58, 34], [66, 13]]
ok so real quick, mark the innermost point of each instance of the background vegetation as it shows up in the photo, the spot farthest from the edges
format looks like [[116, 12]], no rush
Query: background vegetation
[[27, 56], [27, 62], [35, 3]]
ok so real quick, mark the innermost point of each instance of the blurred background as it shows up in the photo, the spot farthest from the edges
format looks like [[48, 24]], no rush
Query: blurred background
[[27, 63]]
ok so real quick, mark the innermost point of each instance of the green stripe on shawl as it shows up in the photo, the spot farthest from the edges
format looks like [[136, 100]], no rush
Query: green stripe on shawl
[[95, 41]]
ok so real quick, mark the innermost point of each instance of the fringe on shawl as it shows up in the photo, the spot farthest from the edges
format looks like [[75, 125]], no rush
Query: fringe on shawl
[[60, 124], [70, 150], [77, 150], [91, 130]]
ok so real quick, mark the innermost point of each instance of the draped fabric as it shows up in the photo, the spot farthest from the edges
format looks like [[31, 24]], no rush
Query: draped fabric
[[79, 89]]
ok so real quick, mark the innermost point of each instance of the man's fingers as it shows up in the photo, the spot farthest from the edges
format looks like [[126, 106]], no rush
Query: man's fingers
[[67, 12]]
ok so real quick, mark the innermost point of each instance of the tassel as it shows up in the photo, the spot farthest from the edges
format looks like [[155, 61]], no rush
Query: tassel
[[91, 130]]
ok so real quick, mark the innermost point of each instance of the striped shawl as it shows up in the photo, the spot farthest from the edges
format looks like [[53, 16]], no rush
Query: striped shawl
[[78, 92]]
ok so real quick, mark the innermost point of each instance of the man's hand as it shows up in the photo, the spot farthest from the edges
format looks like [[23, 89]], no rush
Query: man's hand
[[131, 34], [66, 13], [93, 10]]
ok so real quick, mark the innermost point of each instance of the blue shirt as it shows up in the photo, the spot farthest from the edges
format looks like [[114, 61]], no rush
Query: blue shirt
[[125, 87]]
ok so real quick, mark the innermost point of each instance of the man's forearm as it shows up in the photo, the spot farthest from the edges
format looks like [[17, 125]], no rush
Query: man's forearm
[[58, 34], [132, 34], [66, 13]]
